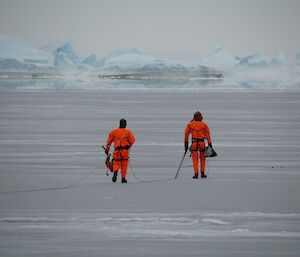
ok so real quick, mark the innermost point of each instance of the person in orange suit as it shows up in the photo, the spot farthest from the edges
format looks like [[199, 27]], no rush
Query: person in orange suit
[[200, 132], [122, 139]]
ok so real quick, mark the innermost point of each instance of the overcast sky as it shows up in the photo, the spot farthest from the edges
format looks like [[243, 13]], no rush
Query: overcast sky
[[157, 26]]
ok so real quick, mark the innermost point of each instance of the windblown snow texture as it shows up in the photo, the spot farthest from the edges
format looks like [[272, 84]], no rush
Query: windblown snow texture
[[50, 150]]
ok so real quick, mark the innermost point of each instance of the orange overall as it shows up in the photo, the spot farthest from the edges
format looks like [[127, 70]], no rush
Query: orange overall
[[123, 139], [199, 131]]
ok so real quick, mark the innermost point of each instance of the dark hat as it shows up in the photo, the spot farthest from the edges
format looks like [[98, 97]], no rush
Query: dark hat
[[123, 123], [198, 116]]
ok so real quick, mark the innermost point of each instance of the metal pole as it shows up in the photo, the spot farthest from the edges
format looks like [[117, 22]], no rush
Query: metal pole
[[180, 165]]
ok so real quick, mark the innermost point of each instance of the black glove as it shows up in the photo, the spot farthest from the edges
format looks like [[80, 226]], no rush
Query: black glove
[[186, 146]]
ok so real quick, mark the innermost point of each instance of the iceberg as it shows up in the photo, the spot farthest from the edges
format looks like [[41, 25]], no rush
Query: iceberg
[[116, 54], [256, 71], [220, 59], [13, 64], [19, 59], [297, 60], [65, 56], [130, 59], [295, 69], [59, 58], [90, 60], [258, 60], [16, 53], [132, 64], [253, 60], [279, 59]]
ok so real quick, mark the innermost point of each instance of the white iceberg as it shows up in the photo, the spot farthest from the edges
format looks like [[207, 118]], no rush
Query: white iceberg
[[16, 53], [90, 60], [130, 63], [221, 60], [130, 59], [65, 56], [279, 59], [252, 60], [297, 60]]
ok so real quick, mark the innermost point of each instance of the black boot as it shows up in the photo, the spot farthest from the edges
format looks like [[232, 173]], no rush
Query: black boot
[[114, 178], [195, 176], [124, 180], [203, 175]]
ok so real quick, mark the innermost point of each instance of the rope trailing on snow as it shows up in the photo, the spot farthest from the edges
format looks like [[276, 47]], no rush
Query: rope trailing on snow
[[146, 181], [84, 177], [52, 188]]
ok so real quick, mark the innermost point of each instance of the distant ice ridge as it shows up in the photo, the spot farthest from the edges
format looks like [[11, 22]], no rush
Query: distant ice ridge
[[90, 60], [14, 48], [65, 56], [21, 60], [59, 58], [296, 68], [18, 57], [297, 59], [132, 64], [221, 59]]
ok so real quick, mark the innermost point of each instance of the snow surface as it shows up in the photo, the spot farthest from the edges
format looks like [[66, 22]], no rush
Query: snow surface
[[56, 200]]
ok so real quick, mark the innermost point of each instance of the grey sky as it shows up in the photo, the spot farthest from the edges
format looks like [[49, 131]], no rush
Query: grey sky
[[157, 26]]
